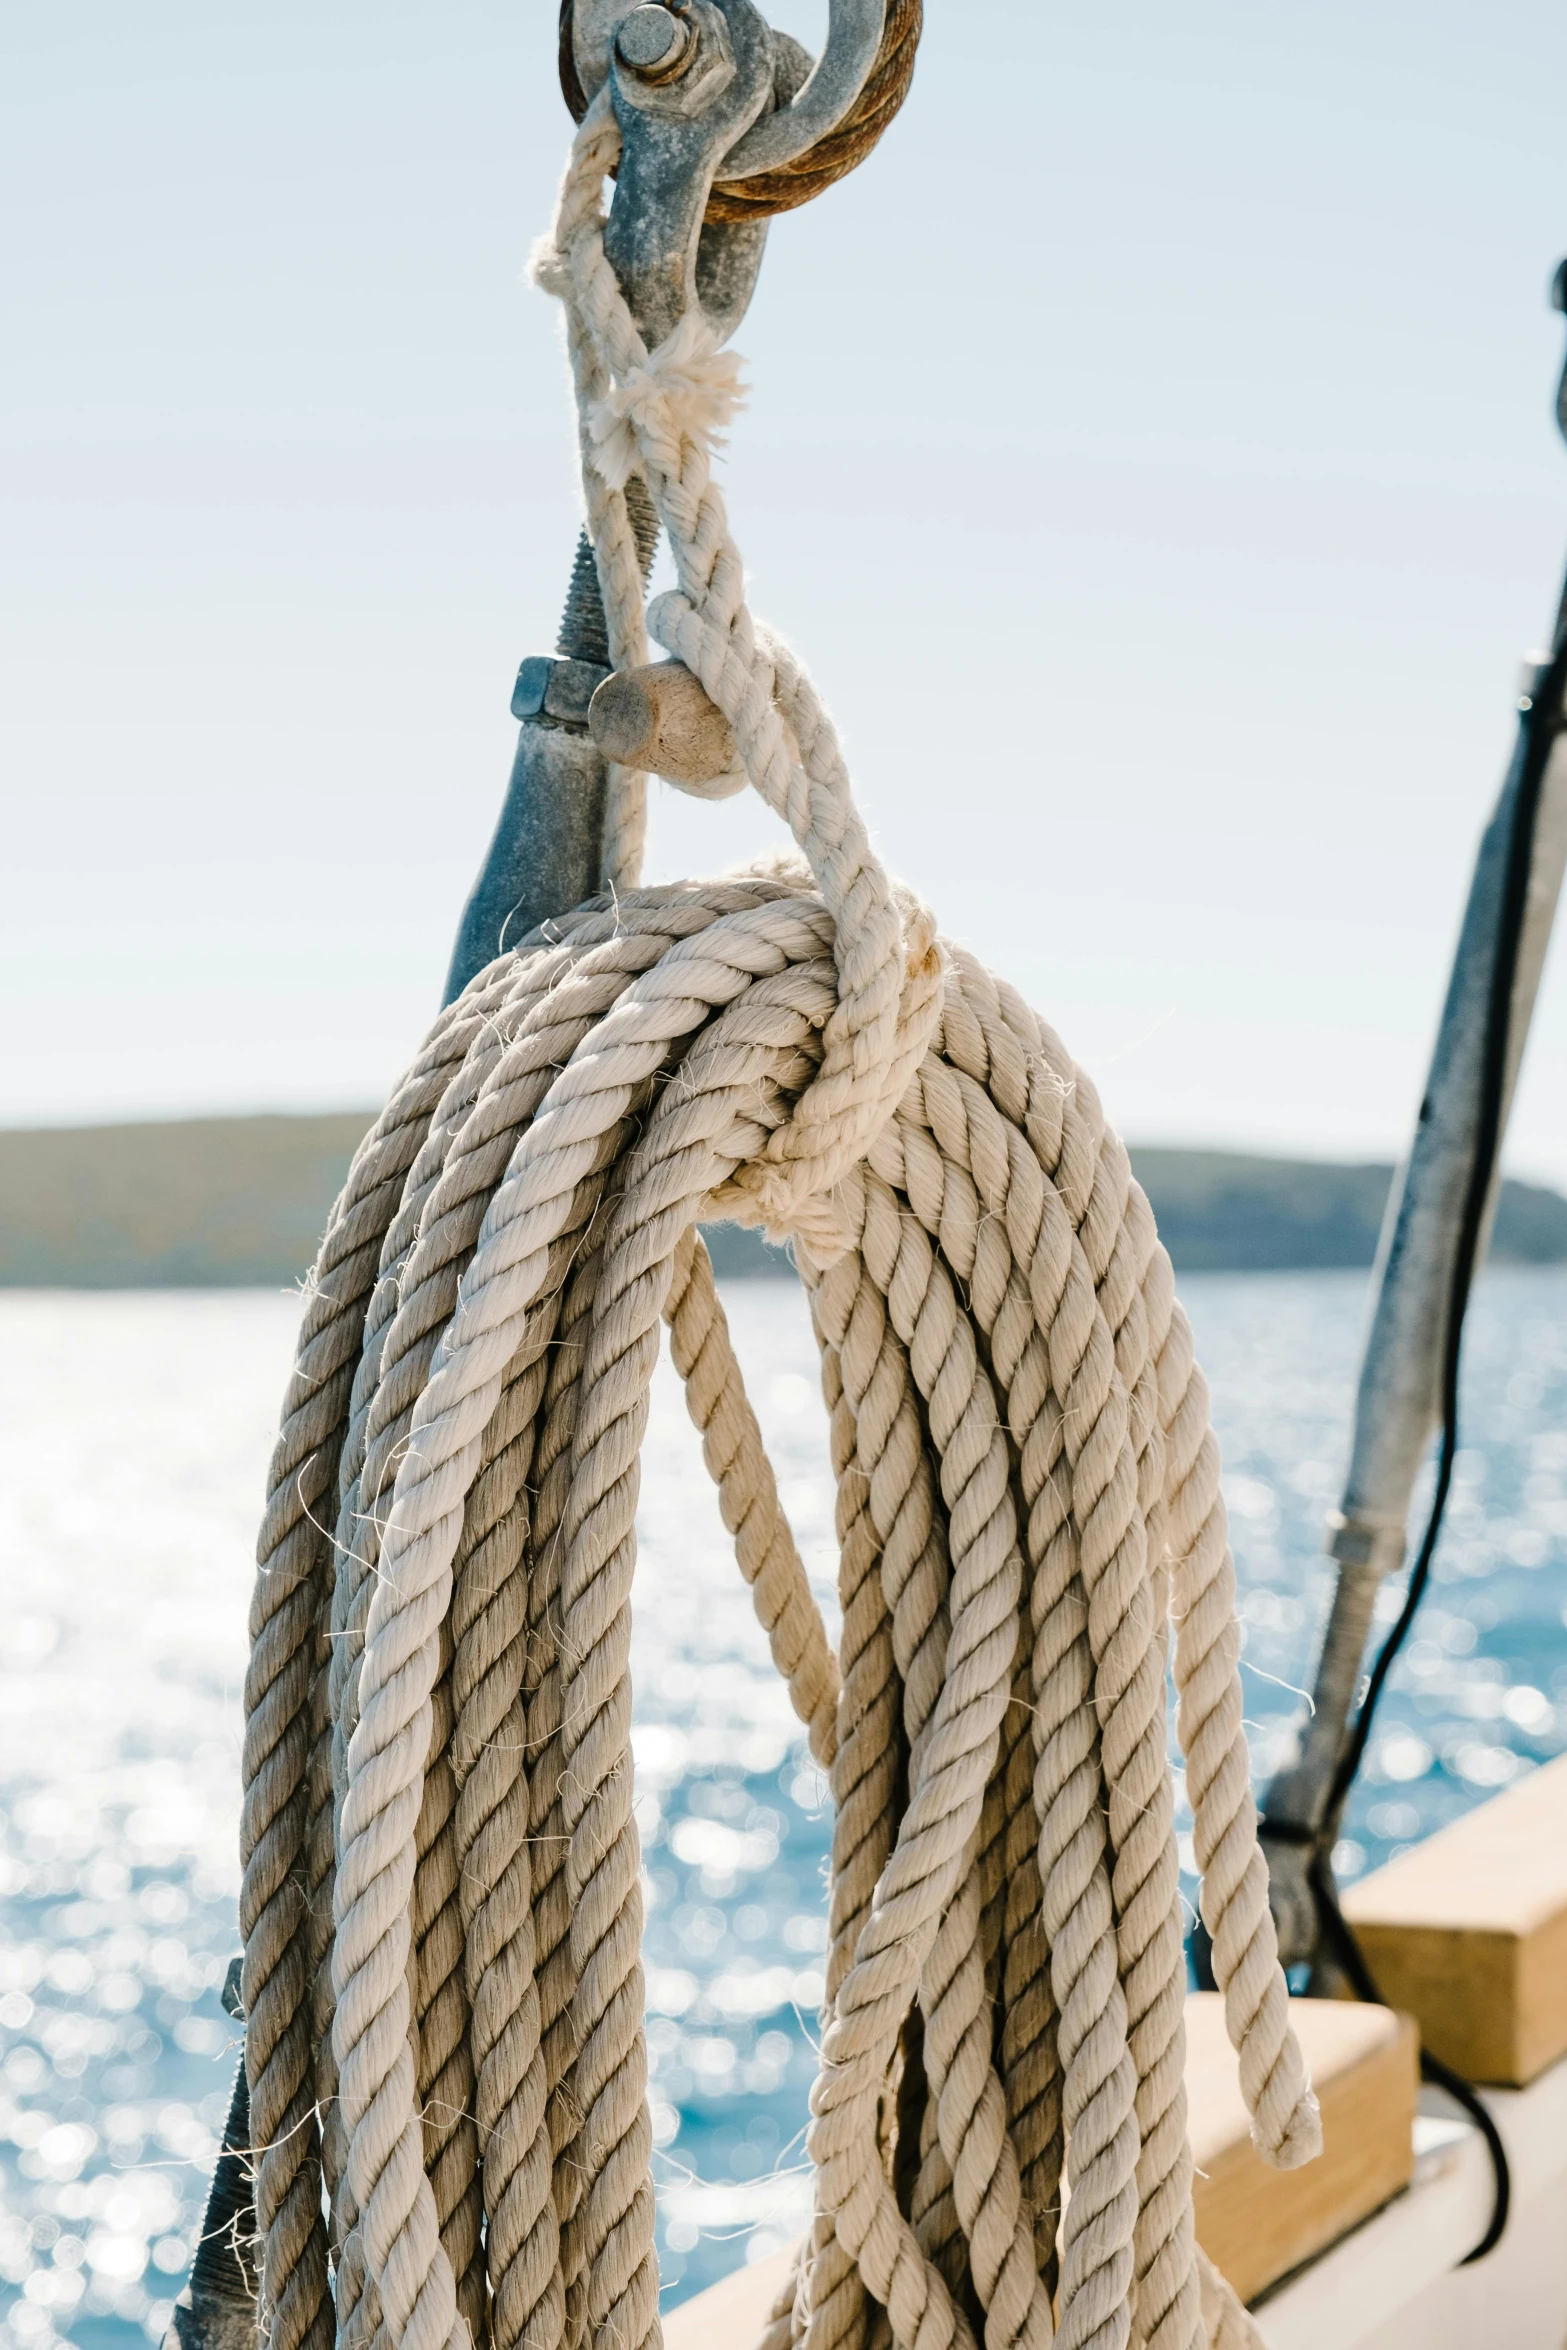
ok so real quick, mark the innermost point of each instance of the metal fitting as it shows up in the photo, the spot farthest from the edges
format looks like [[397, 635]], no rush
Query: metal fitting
[[549, 687], [1362, 1539], [1533, 671], [673, 67], [232, 1996], [654, 43]]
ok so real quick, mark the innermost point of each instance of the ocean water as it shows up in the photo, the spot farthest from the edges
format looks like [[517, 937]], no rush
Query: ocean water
[[134, 1433]]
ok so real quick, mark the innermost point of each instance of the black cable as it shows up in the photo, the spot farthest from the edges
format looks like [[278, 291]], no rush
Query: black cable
[[1340, 1936], [1542, 722]]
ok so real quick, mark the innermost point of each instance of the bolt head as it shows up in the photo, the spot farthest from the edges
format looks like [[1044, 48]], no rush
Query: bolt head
[[653, 42]]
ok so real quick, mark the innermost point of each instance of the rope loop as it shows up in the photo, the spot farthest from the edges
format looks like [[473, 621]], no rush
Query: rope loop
[[657, 413]]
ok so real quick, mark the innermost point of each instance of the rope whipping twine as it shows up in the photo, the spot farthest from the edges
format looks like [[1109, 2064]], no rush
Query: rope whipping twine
[[441, 1904]]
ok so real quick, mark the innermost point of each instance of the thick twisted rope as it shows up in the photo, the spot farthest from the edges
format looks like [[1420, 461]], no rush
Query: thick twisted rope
[[442, 1905]]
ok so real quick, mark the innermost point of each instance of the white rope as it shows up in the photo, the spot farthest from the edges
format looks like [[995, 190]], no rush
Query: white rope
[[442, 1905]]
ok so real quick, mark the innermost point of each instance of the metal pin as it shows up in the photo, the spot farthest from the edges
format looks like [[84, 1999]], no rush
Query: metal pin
[[654, 43]]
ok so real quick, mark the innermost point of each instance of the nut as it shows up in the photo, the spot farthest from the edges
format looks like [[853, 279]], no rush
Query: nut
[[654, 44]]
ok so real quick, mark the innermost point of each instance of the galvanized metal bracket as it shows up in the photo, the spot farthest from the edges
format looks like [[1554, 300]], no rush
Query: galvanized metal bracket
[[811, 95], [699, 87]]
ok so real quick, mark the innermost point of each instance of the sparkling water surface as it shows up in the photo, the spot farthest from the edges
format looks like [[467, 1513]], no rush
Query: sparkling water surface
[[135, 1432]]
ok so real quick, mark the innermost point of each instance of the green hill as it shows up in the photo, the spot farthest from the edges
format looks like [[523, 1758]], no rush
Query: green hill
[[1221, 1212], [229, 1202], [196, 1203]]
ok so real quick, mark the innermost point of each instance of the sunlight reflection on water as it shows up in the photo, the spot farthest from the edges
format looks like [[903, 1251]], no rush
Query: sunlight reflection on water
[[134, 1437]]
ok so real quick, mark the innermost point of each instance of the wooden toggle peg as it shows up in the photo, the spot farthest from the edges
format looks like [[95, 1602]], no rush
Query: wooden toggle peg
[[660, 718]]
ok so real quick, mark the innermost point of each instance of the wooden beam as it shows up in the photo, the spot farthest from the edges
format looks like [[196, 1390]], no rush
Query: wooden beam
[[1468, 1931], [1256, 2224]]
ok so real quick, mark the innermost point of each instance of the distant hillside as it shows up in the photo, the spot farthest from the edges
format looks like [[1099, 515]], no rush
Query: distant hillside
[[196, 1203], [229, 1202], [1221, 1212]]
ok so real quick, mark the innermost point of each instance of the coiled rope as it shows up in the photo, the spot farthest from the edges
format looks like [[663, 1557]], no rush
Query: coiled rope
[[441, 1907]]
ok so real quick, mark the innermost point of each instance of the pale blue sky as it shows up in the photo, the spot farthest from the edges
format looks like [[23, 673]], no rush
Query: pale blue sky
[[1150, 451]]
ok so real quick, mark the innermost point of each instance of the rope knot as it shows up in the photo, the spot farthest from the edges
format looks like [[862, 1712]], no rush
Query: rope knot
[[796, 1189], [688, 389]]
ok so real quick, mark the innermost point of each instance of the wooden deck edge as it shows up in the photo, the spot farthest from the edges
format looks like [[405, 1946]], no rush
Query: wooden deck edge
[[731, 2314], [1468, 1932], [1398, 2283], [1256, 2224]]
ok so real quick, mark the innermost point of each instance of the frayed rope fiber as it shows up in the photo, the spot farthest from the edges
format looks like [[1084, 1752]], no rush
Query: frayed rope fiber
[[441, 1906]]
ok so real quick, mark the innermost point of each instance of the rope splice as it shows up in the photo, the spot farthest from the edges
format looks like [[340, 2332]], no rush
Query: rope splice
[[441, 1903]]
